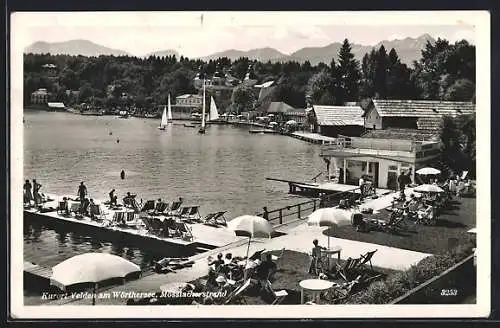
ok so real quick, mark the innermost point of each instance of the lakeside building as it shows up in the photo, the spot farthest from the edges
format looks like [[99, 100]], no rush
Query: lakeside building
[[382, 159], [334, 120], [283, 112], [192, 100], [421, 115], [40, 96]]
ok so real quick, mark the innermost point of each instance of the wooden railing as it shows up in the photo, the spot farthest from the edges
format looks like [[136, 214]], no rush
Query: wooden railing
[[302, 210]]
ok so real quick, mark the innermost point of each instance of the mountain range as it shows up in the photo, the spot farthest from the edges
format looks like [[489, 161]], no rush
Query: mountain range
[[408, 49]]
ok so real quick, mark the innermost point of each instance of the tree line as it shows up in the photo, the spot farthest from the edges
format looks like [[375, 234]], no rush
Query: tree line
[[445, 71]]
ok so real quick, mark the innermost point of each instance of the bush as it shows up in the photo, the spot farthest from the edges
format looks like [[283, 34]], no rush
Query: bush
[[399, 283]]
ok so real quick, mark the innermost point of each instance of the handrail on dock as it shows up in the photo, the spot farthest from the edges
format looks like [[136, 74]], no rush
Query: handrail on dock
[[301, 210]]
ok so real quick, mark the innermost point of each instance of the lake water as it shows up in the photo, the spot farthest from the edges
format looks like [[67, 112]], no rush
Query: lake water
[[225, 169]]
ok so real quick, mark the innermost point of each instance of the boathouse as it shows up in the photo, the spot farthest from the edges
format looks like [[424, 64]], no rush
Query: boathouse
[[284, 112], [334, 120], [422, 115], [349, 158]]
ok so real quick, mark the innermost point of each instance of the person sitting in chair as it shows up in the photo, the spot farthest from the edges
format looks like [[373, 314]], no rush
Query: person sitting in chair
[[265, 271], [316, 258], [129, 201]]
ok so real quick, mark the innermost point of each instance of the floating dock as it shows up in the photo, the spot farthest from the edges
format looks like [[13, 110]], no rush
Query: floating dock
[[317, 189], [266, 131], [205, 237], [312, 137]]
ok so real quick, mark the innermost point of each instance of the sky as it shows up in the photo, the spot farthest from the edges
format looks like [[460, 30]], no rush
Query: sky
[[196, 34]]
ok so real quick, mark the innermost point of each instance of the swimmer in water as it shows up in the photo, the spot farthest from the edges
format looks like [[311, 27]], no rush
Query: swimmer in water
[[122, 174], [117, 140]]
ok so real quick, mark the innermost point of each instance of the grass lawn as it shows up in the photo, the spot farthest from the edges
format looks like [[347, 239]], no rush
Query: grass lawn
[[293, 267], [451, 230]]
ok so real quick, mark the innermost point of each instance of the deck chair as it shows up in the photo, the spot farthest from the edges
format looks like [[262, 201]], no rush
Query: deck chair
[[148, 206], [156, 225], [119, 218], [279, 296], [367, 258], [167, 225], [215, 219], [194, 214], [96, 212], [346, 271], [237, 294], [183, 212], [160, 208], [63, 208], [74, 208], [184, 230], [175, 208], [147, 223]]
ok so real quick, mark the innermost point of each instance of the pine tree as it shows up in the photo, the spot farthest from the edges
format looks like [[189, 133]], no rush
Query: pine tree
[[348, 73], [380, 82]]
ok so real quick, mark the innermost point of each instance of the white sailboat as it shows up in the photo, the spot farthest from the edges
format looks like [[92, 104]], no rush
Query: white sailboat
[[202, 128], [214, 114], [164, 120], [169, 113]]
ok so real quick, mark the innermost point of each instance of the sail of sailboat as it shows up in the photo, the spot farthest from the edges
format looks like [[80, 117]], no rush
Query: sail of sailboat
[[214, 114], [202, 128], [164, 120], [169, 113]]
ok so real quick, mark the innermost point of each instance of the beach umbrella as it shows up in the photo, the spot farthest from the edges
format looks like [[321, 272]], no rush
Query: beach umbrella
[[251, 226], [428, 171], [428, 188], [291, 122], [330, 217], [91, 268]]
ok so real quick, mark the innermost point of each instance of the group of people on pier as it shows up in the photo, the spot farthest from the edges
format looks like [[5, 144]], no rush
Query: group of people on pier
[[32, 192]]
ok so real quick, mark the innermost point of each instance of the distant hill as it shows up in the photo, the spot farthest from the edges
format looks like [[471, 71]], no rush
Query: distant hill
[[164, 53], [73, 48], [408, 49], [261, 54]]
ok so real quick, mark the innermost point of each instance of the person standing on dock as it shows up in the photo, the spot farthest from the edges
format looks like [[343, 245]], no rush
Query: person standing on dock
[[27, 192], [112, 199], [36, 195], [82, 192]]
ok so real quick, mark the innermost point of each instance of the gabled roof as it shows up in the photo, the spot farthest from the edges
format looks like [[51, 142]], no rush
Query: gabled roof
[[279, 107], [422, 108], [339, 115], [187, 96], [265, 84]]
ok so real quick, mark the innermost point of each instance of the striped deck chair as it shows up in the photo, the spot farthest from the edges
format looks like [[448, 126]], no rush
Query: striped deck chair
[[184, 212], [74, 208], [160, 208], [63, 208], [367, 258], [192, 215], [148, 206], [237, 294], [346, 271], [119, 218], [167, 225], [215, 219], [175, 208]]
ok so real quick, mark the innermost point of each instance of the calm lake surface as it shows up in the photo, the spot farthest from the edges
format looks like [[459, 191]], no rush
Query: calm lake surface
[[225, 169]]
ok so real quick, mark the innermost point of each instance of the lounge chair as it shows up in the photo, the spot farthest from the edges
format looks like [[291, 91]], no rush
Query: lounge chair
[[160, 208], [167, 225], [194, 214], [148, 206], [279, 296], [347, 270], [74, 208], [96, 212], [119, 218], [63, 208], [215, 219], [237, 294], [175, 208], [184, 230], [156, 225], [183, 212], [147, 223], [367, 258]]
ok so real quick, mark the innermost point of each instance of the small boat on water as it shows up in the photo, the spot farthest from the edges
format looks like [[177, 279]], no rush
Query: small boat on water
[[164, 117], [189, 125], [202, 128], [123, 114]]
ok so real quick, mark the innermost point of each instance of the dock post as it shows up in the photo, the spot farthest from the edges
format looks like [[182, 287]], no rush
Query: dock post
[[290, 188], [314, 205], [298, 210], [281, 216]]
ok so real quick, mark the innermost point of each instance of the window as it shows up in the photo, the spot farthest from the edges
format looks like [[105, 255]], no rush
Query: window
[[393, 167]]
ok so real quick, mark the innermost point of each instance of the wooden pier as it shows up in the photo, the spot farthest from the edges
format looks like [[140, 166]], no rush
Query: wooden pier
[[312, 137], [36, 276]]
